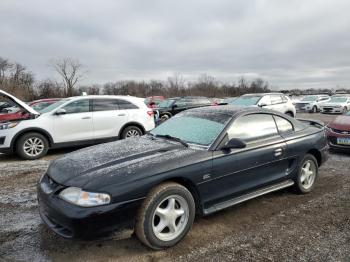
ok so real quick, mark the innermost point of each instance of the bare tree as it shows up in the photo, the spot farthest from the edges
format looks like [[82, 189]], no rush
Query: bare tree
[[70, 70], [4, 66]]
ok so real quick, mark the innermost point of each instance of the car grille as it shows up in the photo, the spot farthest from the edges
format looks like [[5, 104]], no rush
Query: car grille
[[300, 105], [344, 132]]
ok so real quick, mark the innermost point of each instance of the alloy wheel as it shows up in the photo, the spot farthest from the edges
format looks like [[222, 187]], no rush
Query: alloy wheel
[[33, 146], [132, 133], [170, 218], [308, 174]]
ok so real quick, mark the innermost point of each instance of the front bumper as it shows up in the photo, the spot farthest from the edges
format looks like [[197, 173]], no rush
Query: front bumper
[[332, 110], [70, 221]]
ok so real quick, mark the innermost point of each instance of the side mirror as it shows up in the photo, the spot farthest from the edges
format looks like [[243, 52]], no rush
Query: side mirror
[[174, 106], [262, 104], [234, 143], [60, 111]]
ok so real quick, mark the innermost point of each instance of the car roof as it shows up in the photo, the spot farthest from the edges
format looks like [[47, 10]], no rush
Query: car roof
[[263, 94], [104, 96], [227, 109]]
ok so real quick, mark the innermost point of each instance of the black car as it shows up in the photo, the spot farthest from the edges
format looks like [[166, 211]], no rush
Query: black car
[[198, 162], [172, 106]]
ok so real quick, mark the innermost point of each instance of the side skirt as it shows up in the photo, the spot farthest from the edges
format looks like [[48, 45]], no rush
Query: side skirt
[[248, 196]]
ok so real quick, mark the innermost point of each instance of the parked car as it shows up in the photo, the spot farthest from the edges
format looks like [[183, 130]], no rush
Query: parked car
[[337, 104], [228, 100], [274, 101], [198, 162], [338, 132], [39, 105], [172, 106], [311, 103], [153, 101], [9, 110], [82, 120]]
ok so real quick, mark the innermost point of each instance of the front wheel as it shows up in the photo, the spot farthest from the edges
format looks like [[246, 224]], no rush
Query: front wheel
[[32, 146], [345, 110], [314, 109], [307, 175], [165, 216]]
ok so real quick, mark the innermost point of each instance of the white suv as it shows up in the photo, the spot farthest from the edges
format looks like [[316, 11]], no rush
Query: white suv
[[74, 121], [274, 101]]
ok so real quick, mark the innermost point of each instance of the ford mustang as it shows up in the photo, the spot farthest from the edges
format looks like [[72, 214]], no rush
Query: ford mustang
[[198, 162]]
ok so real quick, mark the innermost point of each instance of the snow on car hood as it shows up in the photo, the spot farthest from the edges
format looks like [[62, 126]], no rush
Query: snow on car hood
[[98, 166], [19, 102], [341, 123]]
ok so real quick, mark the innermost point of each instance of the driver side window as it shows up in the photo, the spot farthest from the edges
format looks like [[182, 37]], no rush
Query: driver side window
[[253, 127], [80, 106]]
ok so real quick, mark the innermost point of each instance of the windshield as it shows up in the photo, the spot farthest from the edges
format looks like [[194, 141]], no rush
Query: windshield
[[338, 99], [166, 103], [309, 98], [245, 101], [53, 106], [194, 127]]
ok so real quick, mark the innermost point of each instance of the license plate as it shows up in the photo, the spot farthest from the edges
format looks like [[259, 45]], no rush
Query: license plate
[[343, 141]]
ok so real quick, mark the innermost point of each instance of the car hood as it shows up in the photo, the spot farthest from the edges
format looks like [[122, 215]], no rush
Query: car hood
[[341, 123], [19, 103], [119, 162], [333, 104]]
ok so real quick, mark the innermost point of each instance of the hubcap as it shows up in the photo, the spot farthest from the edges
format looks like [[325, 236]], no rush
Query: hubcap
[[33, 146], [164, 117], [170, 218], [132, 133], [308, 174]]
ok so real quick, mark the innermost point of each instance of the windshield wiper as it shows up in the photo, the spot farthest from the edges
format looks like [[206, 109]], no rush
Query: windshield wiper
[[169, 137]]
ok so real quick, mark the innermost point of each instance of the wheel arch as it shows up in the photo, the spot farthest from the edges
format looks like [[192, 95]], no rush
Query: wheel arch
[[32, 130], [317, 154], [131, 124]]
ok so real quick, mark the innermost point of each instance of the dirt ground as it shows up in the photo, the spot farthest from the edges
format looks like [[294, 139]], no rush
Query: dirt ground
[[276, 227]]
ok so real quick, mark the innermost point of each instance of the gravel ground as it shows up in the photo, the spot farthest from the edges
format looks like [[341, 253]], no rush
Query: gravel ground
[[275, 227]]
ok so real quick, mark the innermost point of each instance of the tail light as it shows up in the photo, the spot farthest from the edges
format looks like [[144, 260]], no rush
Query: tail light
[[150, 113]]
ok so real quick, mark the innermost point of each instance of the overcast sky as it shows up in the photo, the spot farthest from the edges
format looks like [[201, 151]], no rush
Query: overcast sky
[[292, 44]]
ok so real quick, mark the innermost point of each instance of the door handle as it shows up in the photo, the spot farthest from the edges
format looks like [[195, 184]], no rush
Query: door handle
[[121, 114], [86, 117], [278, 152]]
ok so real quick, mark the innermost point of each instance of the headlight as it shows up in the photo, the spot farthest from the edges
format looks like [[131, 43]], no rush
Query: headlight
[[8, 125], [82, 198]]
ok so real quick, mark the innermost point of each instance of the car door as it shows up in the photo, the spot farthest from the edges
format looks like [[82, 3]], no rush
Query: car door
[[260, 163], [107, 117], [75, 124]]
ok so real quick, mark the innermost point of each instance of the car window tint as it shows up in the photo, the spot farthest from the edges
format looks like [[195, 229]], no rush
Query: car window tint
[[79, 106], [253, 127], [104, 105], [283, 125], [276, 99], [123, 104]]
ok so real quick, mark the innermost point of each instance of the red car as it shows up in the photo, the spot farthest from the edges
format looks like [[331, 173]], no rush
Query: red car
[[153, 101], [9, 110], [338, 132], [39, 105]]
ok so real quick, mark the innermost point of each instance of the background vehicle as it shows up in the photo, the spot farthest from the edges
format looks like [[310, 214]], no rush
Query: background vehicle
[[172, 106], [311, 103], [158, 182], [338, 132], [76, 121], [39, 105], [153, 101], [337, 104], [13, 109], [274, 101]]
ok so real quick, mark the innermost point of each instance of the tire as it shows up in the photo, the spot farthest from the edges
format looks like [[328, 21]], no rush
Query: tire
[[164, 117], [131, 131], [171, 196], [314, 109], [345, 110], [289, 114], [304, 185], [32, 146]]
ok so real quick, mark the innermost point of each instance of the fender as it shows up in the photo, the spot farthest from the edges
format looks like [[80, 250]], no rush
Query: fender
[[32, 129]]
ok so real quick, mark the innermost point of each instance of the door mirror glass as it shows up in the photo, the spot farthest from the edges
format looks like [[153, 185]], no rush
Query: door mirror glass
[[234, 143], [60, 111]]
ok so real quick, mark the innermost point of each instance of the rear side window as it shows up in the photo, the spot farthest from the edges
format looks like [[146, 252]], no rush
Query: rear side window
[[253, 127], [283, 125], [80, 106], [104, 105], [276, 99], [123, 104]]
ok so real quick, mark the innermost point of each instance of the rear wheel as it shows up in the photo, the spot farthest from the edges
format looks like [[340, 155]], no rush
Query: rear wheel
[[131, 131], [32, 146], [307, 175], [165, 216]]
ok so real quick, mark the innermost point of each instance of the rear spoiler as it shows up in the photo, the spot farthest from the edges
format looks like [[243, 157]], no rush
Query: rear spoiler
[[312, 122]]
